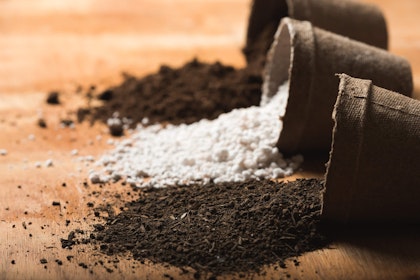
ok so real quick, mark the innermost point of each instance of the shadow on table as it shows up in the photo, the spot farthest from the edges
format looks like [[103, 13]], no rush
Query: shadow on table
[[315, 163], [392, 240]]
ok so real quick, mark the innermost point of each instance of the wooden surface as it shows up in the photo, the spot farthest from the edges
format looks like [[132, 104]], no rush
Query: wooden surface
[[49, 44]]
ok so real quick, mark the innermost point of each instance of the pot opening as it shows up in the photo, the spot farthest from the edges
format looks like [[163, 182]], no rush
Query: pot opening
[[278, 66]]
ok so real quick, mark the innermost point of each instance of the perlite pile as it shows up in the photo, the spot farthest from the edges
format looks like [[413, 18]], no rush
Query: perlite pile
[[236, 146]]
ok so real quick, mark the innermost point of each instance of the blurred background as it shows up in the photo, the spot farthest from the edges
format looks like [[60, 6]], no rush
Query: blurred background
[[47, 44]]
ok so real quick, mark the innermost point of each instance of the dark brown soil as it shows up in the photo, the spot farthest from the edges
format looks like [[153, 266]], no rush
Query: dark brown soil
[[53, 98], [217, 228], [178, 95]]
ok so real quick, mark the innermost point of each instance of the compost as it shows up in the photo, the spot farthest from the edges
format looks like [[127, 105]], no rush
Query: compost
[[186, 94], [217, 229]]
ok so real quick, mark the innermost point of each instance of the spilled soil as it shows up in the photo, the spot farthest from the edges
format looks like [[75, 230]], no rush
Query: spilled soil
[[216, 228], [186, 94]]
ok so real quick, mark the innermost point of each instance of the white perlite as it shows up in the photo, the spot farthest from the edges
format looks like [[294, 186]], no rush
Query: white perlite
[[236, 146], [49, 163]]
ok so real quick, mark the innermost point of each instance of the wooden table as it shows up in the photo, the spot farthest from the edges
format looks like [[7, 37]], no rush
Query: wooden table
[[46, 45]]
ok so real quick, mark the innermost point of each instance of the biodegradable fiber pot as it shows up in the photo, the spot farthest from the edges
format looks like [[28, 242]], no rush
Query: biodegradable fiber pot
[[309, 58], [359, 21], [373, 174]]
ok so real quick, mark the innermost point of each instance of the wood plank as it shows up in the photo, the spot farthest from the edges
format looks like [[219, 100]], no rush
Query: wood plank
[[60, 44]]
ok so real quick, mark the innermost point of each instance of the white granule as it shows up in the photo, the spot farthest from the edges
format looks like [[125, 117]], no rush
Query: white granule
[[95, 178], [3, 152], [87, 158], [49, 163], [236, 146]]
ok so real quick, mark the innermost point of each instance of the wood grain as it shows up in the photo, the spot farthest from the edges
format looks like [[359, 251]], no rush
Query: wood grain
[[50, 44]]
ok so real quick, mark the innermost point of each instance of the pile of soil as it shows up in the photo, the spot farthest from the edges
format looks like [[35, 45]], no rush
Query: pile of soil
[[179, 95], [217, 228]]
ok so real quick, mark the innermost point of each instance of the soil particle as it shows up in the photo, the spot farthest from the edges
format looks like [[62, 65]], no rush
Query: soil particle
[[69, 242], [85, 266], [106, 95], [82, 113], [66, 122], [109, 270], [116, 126], [53, 98], [42, 123]]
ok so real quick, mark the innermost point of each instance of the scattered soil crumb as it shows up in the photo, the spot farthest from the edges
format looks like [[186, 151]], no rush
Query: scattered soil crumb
[[53, 98]]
